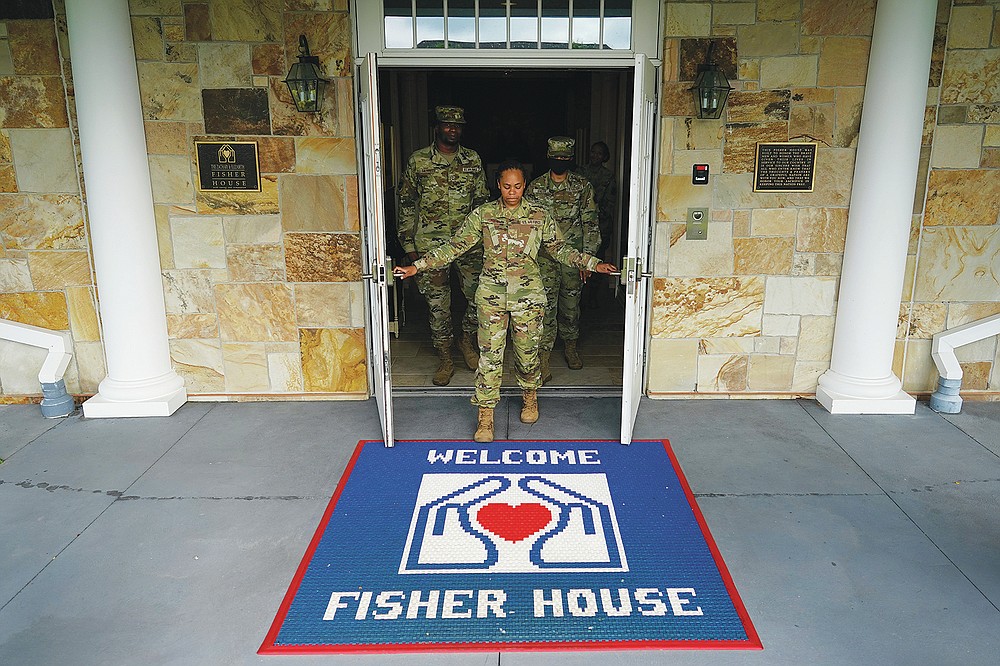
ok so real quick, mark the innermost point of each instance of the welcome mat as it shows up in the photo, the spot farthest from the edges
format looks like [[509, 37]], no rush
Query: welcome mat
[[513, 545]]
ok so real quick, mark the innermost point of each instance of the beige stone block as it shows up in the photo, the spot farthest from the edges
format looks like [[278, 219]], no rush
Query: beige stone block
[[748, 69], [975, 376], [970, 27], [766, 345], [789, 72], [773, 222], [957, 146], [91, 369], [320, 305], [768, 39], [804, 264], [844, 17], [666, 165], [675, 194], [52, 270], [707, 307], [734, 13], [192, 326], [246, 21], [324, 155], [815, 338], [971, 77], [264, 202], [758, 107], [198, 242], [188, 291], [978, 351], [672, 365], [788, 345], [711, 256], [661, 246], [843, 61], [14, 275], [722, 373], [331, 121], [778, 10], [689, 20], [200, 363], [770, 373], [321, 257], [847, 116], [334, 360], [740, 151], [5, 153], [164, 244], [170, 91], [359, 319], [44, 160], [313, 203], [821, 230], [801, 295], [285, 372], [6, 61], [255, 312], [224, 66], [171, 178], [155, 7], [805, 377], [921, 320], [147, 38], [19, 366], [166, 138], [828, 264], [959, 264], [782, 325], [255, 263], [181, 52], [763, 256], [726, 346], [813, 96], [677, 100], [252, 229], [992, 136], [245, 367], [41, 222], [684, 160], [962, 198], [966, 313], [919, 372], [741, 223], [83, 321]]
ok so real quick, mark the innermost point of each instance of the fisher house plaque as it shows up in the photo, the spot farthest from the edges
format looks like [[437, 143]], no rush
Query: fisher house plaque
[[228, 166], [785, 167]]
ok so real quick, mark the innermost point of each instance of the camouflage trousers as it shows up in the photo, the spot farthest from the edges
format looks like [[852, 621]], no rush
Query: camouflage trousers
[[525, 324], [435, 286], [563, 290]]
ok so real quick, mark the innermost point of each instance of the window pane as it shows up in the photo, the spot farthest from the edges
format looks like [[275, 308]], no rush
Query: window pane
[[586, 24], [555, 24], [461, 24], [492, 24], [398, 24], [430, 24], [618, 24], [524, 25]]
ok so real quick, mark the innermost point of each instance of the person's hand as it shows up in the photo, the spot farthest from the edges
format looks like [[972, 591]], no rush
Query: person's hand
[[605, 268], [403, 272], [584, 274]]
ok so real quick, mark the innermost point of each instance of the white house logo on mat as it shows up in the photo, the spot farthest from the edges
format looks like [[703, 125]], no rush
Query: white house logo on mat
[[513, 523]]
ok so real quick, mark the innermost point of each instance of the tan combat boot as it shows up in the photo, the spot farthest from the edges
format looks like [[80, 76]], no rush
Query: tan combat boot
[[529, 411], [484, 429], [470, 351], [572, 357], [445, 367], [546, 370]]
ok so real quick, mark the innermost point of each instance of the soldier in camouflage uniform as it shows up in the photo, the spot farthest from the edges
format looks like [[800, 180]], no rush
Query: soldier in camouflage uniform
[[569, 198], [441, 184], [510, 292], [606, 197]]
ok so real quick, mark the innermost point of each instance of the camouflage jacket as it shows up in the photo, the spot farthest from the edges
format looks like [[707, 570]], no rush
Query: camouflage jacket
[[511, 240], [571, 204], [436, 195], [605, 192]]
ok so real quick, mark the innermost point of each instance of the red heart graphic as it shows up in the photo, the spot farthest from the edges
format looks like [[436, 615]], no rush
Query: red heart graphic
[[514, 523]]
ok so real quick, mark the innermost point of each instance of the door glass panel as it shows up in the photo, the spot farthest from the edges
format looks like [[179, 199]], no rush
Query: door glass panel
[[586, 24], [492, 24], [524, 25], [398, 24], [430, 24], [461, 24], [555, 24], [617, 24]]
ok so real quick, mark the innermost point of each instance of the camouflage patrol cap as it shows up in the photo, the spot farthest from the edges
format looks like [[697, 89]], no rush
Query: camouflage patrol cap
[[560, 146], [450, 114]]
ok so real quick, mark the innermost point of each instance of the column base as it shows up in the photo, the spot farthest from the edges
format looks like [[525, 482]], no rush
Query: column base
[[100, 407], [838, 403]]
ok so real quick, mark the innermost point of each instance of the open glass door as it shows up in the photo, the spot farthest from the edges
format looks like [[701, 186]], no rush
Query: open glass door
[[376, 267], [636, 262]]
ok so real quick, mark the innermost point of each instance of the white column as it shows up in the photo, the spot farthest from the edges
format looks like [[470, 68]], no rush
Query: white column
[[860, 379], [140, 381]]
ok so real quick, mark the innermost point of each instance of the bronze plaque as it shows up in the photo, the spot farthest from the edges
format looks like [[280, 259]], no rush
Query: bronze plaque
[[785, 167], [228, 166]]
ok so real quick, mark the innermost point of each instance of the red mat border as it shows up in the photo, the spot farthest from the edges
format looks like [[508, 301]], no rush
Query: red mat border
[[268, 647]]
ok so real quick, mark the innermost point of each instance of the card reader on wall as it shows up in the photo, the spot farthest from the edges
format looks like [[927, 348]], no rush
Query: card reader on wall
[[699, 174], [697, 224]]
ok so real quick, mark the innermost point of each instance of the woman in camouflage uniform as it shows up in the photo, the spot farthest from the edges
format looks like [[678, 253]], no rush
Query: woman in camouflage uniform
[[510, 293]]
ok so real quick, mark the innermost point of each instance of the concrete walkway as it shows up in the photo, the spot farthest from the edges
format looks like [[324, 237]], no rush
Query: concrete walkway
[[851, 539]]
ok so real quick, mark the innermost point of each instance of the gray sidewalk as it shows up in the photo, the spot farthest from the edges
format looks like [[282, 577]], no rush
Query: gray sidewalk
[[851, 539]]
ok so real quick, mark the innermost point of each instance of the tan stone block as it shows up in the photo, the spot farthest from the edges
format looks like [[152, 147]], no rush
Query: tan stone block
[[677, 100], [197, 23], [722, 373], [313, 203], [968, 197], [972, 77], [155, 7], [734, 13], [715, 307], [673, 365], [843, 61], [170, 177], [966, 313], [749, 70], [845, 17], [41, 222], [321, 257], [773, 222], [801, 295], [848, 116], [815, 338], [695, 134], [188, 291], [666, 165], [224, 65], [725, 346], [810, 45], [276, 154], [44, 160], [198, 242], [778, 10], [768, 39], [770, 373], [675, 194], [245, 367], [166, 138], [758, 107], [689, 20], [684, 160], [740, 151], [5, 153], [796, 71], [322, 155], [14, 274], [782, 325], [813, 96], [255, 312], [919, 371], [957, 146], [711, 256], [821, 230], [19, 366], [33, 47], [671, 60], [970, 27], [763, 256], [246, 20], [8, 178], [164, 244], [741, 223], [352, 218], [255, 263], [91, 369], [323, 305], [334, 360], [52, 270], [805, 377], [921, 320], [181, 53], [170, 91], [33, 101], [264, 202], [329, 35], [147, 38], [766, 345], [958, 264], [980, 350], [252, 229], [285, 372], [193, 326], [46, 309], [83, 321], [199, 362], [975, 375], [990, 159], [828, 264]]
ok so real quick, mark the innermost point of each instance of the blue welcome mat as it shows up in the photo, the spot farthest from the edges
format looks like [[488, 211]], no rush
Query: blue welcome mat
[[513, 545]]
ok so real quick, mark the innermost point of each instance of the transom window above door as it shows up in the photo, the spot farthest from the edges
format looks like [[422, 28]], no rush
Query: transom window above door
[[508, 24]]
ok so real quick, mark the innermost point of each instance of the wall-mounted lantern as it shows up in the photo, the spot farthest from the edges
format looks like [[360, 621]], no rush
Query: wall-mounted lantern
[[711, 88], [304, 80]]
